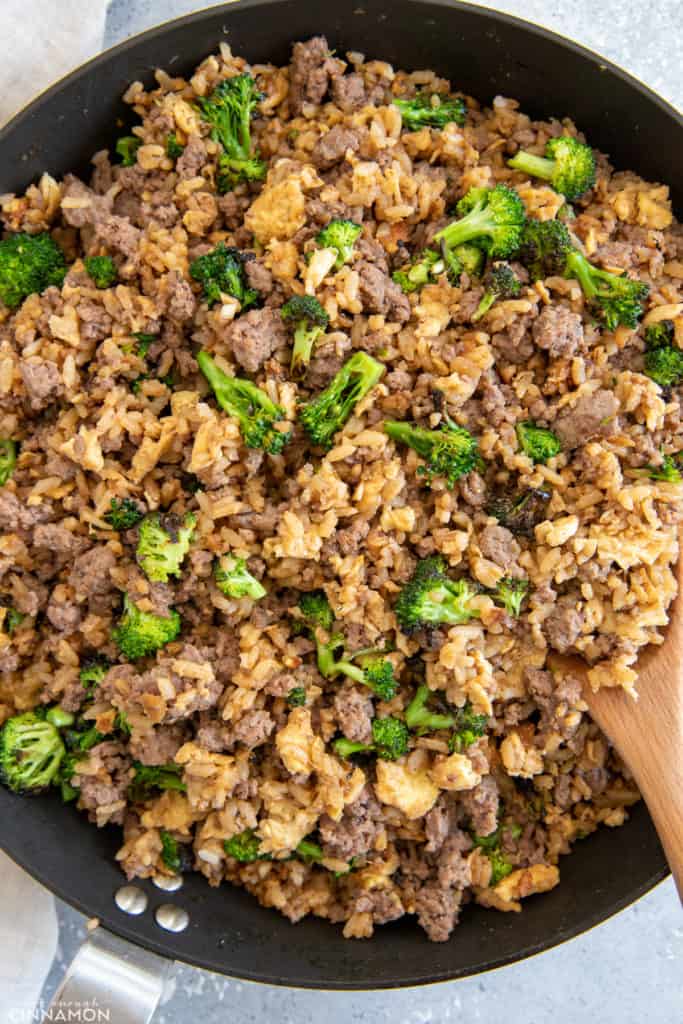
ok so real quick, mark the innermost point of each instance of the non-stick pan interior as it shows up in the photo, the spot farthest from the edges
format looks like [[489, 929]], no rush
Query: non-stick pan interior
[[485, 54]]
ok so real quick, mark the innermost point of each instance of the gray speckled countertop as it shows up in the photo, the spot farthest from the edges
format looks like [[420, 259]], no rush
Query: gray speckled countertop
[[627, 970]]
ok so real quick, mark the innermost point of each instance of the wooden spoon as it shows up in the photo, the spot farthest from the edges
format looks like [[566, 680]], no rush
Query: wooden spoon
[[648, 732]]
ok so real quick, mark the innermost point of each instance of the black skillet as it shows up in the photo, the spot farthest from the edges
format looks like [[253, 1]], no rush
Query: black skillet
[[483, 53]]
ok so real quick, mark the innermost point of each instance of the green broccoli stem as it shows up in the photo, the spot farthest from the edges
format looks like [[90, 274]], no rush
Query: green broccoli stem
[[535, 166], [473, 225], [346, 748], [585, 273], [419, 717], [305, 338], [487, 300], [59, 718]]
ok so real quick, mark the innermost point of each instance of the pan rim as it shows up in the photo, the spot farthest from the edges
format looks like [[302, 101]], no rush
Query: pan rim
[[122, 927]]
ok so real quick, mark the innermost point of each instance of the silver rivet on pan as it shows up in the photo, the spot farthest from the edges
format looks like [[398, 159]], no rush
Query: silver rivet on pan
[[172, 919], [130, 899], [168, 883]]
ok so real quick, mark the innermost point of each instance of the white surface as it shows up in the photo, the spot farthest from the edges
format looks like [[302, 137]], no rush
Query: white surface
[[626, 971]]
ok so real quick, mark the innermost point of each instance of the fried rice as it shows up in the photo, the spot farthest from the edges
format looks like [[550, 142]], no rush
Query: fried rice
[[395, 837]]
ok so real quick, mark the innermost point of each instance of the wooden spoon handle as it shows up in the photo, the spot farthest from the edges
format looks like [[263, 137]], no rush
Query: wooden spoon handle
[[649, 736]]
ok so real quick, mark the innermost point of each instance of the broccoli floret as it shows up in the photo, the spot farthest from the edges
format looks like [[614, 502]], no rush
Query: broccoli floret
[[520, 513], [463, 259], [342, 236], [8, 459], [433, 110], [141, 633], [163, 543], [660, 334], [468, 729], [544, 249], [123, 514], [310, 320], [102, 270], [29, 264], [449, 452], [492, 218], [234, 579], [171, 852], [539, 443], [31, 751], [229, 110], [296, 698], [256, 412], [500, 865], [390, 737], [663, 358], [148, 778], [569, 166], [221, 271], [325, 415], [430, 598], [669, 471], [93, 671], [127, 148], [510, 593], [174, 149], [244, 847], [424, 268], [143, 343], [13, 619], [500, 282], [374, 672], [418, 716], [390, 741], [614, 299], [665, 366], [316, 611]]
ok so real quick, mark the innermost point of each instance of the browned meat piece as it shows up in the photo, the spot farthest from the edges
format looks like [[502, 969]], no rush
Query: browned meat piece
[[16, 516], [119, 235], [384, 905], [253, 729], [592, 416], [95, 322], [42, 381], [348, 92], [182, 303], [481, 806], [62, 613], [103, 794], [55, 546], [437, 825], [562, 627], [310, 71], [29, 595], [192, 159], [259, 277], [80, 205], [354, 710], [157, 745], [499, 545], [473, 489], [90, 574], [437, 910], [355, 833], [558, 331], [514, 345], [453, 871], [379, 294], [555, 699], [332, 147], [255, 336], [73, 696]]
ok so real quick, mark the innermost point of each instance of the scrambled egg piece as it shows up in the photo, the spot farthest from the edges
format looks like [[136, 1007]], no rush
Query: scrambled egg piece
[[412, 792], [455, 773]]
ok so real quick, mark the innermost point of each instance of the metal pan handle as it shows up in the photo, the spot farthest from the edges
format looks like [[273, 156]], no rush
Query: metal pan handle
[[110, 981]]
